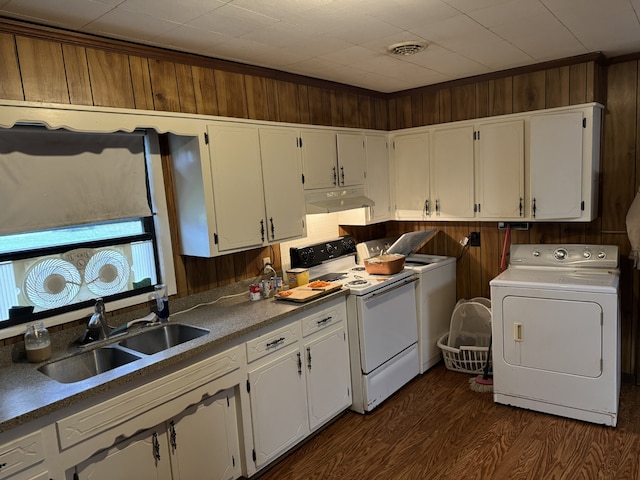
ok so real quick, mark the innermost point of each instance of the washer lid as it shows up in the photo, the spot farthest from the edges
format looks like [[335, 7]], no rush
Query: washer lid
[[412, 241], [595, 280]]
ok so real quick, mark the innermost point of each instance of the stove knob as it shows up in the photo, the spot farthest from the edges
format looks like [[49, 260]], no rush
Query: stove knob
[[602, 255], [536, 253], [304, 256], [330, 249], [560, 254], [586, 254], [348, 244]]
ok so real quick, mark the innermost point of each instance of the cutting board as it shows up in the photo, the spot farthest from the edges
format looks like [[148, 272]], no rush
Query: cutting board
[[306, 294]]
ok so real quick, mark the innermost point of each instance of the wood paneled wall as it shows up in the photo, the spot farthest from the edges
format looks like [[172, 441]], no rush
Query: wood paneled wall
[[46, 65]]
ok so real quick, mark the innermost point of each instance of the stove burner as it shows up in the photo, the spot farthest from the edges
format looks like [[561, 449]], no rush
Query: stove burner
[[355, 283], [357, 269]]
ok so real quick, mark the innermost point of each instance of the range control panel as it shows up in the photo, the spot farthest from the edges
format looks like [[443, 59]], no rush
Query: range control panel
[[568, 255], [312, 255]]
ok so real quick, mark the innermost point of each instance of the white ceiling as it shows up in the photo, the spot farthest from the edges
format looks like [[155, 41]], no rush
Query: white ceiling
[[345, 40]]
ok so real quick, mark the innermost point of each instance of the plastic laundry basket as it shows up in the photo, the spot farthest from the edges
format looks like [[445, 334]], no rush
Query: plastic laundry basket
[[465, 348]]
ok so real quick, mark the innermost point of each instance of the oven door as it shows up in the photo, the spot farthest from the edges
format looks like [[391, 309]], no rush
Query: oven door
[[387, 323]]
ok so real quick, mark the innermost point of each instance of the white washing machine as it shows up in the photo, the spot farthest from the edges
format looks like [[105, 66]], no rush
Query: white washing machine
[[556, 331]]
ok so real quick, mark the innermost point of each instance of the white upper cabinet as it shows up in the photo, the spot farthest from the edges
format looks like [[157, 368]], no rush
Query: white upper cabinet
[[351, 159], [319, 156], [500, 170], [377, 184], [411, 176], [452, 181], [564, 164], [282, 176], [236, 172], [332, 159]]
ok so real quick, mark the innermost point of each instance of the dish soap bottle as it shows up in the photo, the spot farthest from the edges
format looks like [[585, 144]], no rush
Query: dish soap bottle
[[37, 343]]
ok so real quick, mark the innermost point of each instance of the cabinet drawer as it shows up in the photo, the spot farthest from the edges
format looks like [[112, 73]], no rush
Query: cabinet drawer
[[323, 319], [21, 454], [272, 341]]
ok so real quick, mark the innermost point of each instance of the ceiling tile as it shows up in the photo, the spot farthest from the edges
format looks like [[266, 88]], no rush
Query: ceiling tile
[[130, 25], [70, 13], [179, 12], [231, 20]]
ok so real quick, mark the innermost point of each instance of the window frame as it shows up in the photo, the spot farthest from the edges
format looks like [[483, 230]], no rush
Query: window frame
[[163, 246]]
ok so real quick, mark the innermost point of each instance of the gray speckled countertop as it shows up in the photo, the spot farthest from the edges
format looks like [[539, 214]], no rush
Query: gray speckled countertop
[[27, 394]]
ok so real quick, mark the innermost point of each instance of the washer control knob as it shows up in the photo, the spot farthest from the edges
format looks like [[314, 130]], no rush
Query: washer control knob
[[560, 254], [536, 253], [586, 254], [602, 255]]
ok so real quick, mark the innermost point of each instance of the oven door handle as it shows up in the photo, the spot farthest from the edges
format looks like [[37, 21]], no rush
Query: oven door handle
[[384, 292]]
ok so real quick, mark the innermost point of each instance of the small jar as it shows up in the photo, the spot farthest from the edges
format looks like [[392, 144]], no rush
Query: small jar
[[37, 343]]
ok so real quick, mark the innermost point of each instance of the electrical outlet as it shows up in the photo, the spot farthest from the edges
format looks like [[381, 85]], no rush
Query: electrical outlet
[[474, 239], [266, 261]]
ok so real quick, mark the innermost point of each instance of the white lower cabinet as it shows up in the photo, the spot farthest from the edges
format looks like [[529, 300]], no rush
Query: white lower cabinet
[[278, 405], [201, 442], [328, 381], [299, 378], [144, 456]]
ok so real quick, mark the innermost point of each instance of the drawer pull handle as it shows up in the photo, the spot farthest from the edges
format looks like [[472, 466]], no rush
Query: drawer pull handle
[[156, 446], [275, 343], [324, 320], [174, 436]]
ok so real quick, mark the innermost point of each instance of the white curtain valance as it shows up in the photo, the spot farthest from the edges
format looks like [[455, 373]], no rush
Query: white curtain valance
[[56, 178]]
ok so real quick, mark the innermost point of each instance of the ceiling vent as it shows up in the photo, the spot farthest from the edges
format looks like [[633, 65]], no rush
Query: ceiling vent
[[406, 48]]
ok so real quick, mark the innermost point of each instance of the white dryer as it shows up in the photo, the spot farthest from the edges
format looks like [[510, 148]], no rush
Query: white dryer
[[556, 331]]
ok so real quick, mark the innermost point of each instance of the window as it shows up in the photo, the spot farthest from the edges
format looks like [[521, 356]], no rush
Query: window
[[84, 222]]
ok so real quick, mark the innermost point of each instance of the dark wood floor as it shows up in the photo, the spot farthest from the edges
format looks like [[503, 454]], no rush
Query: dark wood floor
[[437, 428]]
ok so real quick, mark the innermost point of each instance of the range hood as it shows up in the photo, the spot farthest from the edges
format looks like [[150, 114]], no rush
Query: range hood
[[337, 200]]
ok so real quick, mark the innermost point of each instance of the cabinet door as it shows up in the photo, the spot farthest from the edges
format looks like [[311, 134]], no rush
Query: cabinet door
[[278, 405], [328, 377], [377, 177], [204, 438], [144, 457], [411, 172], [283, 191], [351, 159], [556, 166], [500, 170], [237, 186], [319, 159], [452, 172]]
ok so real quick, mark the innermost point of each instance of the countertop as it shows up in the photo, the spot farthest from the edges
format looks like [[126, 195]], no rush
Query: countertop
[[28, 394]]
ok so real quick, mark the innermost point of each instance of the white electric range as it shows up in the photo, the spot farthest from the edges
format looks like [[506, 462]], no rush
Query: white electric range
[[381, 319], [435, 293]]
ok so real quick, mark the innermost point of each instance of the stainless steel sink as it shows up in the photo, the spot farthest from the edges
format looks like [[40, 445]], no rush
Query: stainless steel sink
[[161, 338], [87, 364]]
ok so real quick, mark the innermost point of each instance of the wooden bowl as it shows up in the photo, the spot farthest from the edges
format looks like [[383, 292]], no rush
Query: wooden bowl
[[386, 264]]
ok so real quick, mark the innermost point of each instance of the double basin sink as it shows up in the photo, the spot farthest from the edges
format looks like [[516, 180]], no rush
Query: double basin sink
[[102, 359]]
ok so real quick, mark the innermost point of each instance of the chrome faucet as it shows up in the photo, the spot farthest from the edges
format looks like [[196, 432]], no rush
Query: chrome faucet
[[98, 322]]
